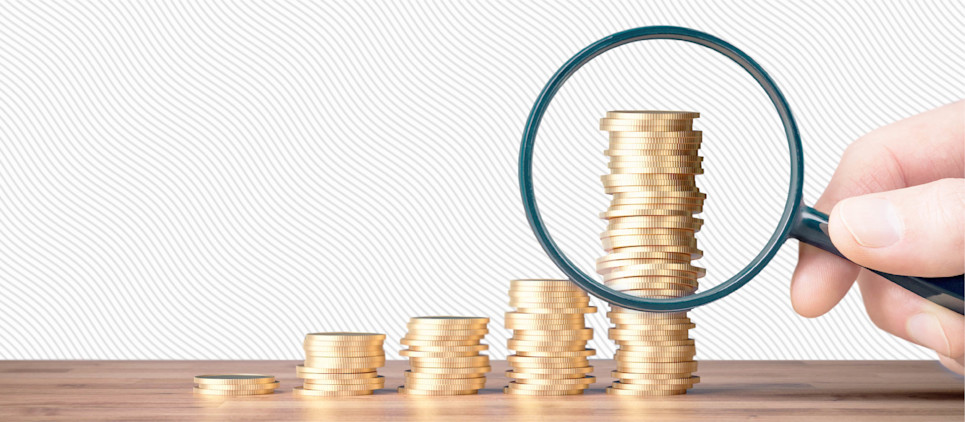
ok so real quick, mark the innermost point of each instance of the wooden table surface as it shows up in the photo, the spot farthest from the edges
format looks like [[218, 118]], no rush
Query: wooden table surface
[[730, 390]]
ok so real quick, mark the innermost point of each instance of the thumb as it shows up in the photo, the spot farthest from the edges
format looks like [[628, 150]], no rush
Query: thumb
[[912, 231]]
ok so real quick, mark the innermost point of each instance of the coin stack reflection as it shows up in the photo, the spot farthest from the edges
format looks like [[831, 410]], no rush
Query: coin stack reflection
[[444, 356], [549, 337], [232, 385], [341, 364], [650, 242]]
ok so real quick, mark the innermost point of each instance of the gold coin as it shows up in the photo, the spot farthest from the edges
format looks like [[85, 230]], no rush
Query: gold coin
[[343, 387], [635, 273], [618, 312], [625, 151], [647, 179], [460, 362], [462, 370], [619, 392], [561, 371], [240, 387], [344, 354], [657, 367], [673, 266], [583, 380], [210, 392], [307, 369], [439, 343], [682, 136], [541, 336], [688, 187], [448, 320], [549, 376], [445, 329], [446, 383], [428, 332], [542, 283], [643, 222], [651, 335], [615, 265], [661, 159], [302, 392], [544, 325], [567, 354], [516, 385], [367, 362], [447, 354], [403, 390], [653, 326], [671, 256], [655, 356], [517, 392], [646, 324], [640, 171], [641, 211], [340, 376], [527, 366], [583, 333], [637, 376], [578, 311], [630, 345], [549, 305], [688, 380], [420, 337], [523, 316], [546, 346], [512, 359], [452, 349], [652, 114], [350, 381], [612, 124], [650, 387], [234, 379], [345, 337], [551, 295]]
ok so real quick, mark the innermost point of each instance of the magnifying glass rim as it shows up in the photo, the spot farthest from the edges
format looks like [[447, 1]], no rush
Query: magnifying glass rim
[[789, 216]]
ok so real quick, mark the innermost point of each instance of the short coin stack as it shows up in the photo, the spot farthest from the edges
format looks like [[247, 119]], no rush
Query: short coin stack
[[650, 243], [235, 385], [444, 354], [549, 338], [341, 364]]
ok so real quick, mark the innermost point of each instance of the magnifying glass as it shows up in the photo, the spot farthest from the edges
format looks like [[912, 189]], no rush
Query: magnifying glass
[[797, 221]]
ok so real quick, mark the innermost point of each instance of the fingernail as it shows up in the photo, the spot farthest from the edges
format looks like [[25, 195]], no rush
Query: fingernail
[[925, 330], [873, 222]]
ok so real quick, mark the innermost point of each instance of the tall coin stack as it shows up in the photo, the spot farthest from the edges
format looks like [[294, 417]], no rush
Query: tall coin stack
[[444, 354], [341, 364], [549, 337], [650, 243]]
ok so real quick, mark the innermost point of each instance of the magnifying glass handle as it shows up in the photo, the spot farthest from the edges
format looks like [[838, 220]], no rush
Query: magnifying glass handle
[[812, 228]]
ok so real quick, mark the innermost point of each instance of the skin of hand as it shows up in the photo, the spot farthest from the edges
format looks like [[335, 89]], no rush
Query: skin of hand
[[896, 204]]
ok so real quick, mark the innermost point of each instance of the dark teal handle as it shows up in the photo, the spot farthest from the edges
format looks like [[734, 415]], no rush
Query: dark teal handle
[[812, 228]]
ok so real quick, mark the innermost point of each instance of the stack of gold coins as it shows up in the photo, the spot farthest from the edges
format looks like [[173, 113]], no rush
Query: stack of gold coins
[[549, 337], [235, 385], [341, 364], [650, 243], [444, 354]]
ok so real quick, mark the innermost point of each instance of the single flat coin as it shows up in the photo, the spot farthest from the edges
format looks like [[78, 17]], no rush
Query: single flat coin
[[449, 320], [439, 343], [343, 387], [539, 359], [652, 114], [240, 387], [516, 385], [569, 354], [523, 303], [345, 337], [526, 366], [234, 379], [666, 367], [512, 391], [465, 370], [302, 392], [619, 392], [612, 124], [351, 381], [308, 369], [550, 376], [545, 346], [447, 362], [435, 332], [523, 316], [447, 354], [349, 376], [211, 392], [403, 390], [557, 311], [446, 383], [635, 376], [688, 381], [583, 380], [556, 371], [344, 353], [367, 362]]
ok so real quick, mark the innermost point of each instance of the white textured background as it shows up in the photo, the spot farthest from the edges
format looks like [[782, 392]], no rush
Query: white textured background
[[215, 179]]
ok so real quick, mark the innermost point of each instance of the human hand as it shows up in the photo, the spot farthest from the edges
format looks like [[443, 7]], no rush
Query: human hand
[[897, 204]]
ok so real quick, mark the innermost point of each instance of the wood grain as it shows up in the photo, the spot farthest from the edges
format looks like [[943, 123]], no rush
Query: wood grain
[[730, 390]]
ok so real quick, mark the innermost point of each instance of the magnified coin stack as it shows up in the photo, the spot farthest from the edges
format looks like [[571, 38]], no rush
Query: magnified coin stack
[[650, 242], [444, 356], [549, 337], [235, 385], [341, 364]]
